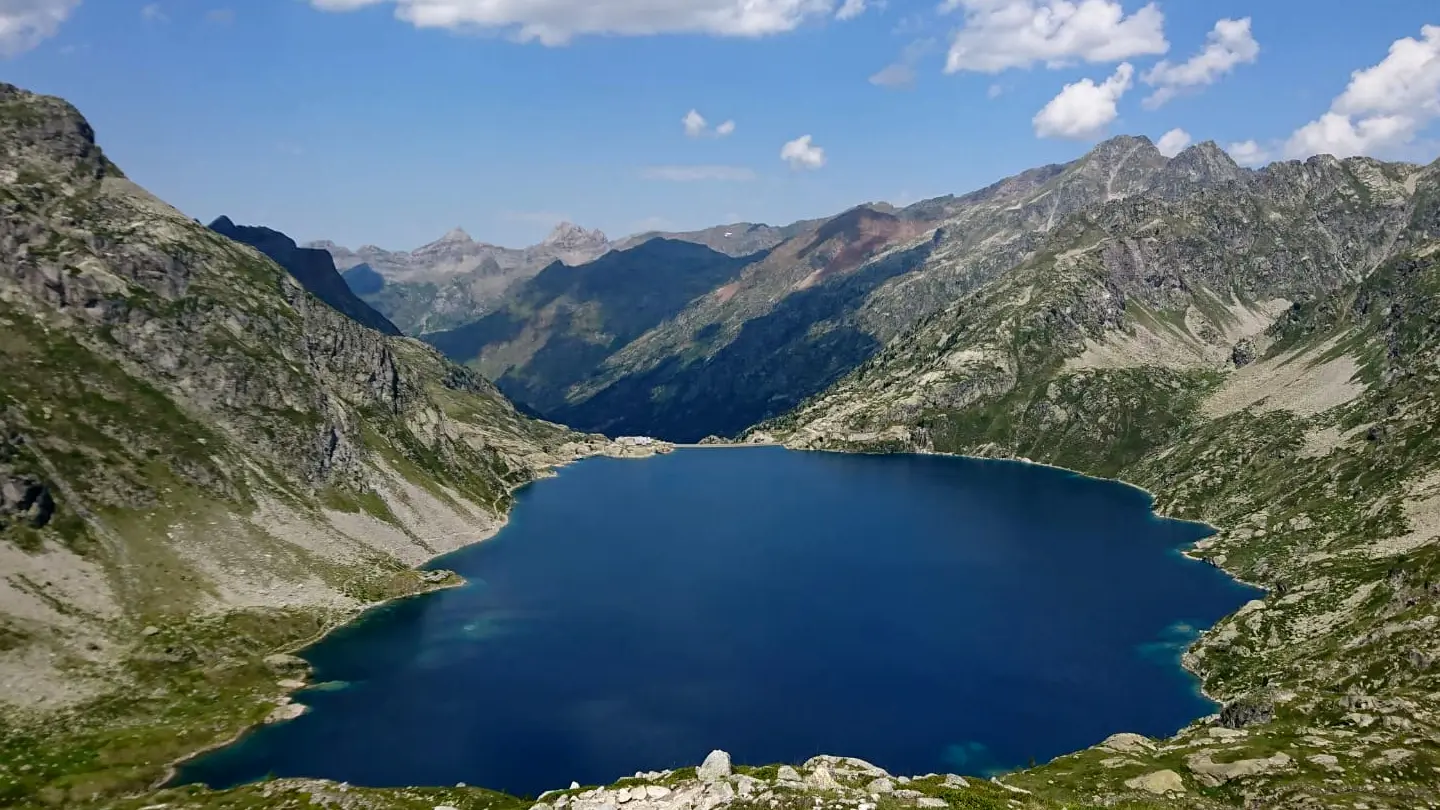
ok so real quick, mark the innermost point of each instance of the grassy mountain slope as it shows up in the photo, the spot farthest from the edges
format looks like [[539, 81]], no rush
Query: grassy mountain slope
[[201, 464], [1155, 340]]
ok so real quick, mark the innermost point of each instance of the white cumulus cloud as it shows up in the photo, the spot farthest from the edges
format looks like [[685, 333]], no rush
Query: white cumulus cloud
[[1248, 153], [802, 153], [690, 174], [556, 22], [697, 127], [1084, 109], [1002, 34], [1383, 108], [1173, 142], [1229, 45], [695, 124], [850, 10], [26, 23]]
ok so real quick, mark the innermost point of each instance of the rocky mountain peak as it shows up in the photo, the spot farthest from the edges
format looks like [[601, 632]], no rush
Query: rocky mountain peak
[[455, 235], [1121, 147], [1206, 163], [569, 236], [35, 127]]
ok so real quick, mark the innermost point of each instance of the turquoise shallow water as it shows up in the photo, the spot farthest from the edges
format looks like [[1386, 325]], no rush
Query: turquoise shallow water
[[924, 613]]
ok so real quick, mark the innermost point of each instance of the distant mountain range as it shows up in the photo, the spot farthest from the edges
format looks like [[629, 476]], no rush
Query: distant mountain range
[[455, 279]]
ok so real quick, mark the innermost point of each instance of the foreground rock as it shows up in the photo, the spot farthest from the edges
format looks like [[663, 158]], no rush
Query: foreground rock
[[823, 783]]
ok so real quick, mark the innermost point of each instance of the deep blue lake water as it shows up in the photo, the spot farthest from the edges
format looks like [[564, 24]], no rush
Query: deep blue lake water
[[928, 614]]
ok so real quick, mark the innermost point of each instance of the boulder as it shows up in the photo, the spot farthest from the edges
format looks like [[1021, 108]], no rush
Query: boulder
[[715, 766], [787, 774], [1160, 783], [1214, 774], [931, 801], [1127, 743], [846, 766], [656, 791], [880, 785], [821, 779], [1244, 353], [953, 781], [1246, 712]]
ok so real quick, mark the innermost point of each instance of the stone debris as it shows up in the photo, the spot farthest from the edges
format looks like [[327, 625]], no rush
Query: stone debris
[[833, 783]]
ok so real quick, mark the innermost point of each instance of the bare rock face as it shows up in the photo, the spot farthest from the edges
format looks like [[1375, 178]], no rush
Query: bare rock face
[[715, 766], [1242, 713], [25, 499]]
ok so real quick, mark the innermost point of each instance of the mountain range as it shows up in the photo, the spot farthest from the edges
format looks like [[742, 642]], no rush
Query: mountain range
[[815, 306], [211, 450]]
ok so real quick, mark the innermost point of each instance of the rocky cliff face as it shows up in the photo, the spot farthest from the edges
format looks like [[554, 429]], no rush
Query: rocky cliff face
[[313, 268], [186, 432]]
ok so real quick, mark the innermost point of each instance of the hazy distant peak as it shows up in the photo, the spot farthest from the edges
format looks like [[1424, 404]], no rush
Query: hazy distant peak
[[570, 235], [456, 235]]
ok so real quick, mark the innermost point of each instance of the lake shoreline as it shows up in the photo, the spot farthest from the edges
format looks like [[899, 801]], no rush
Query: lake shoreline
[[501, 521], [504, 520], [1186, 552]]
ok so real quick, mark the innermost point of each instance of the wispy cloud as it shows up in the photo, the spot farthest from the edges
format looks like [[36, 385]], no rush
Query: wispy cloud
[[901, 73], [557, 22], [690, 174], [1229, 45], [25, 24]]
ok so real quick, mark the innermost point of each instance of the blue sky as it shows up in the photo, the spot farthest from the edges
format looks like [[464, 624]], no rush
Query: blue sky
[[392, 121]]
